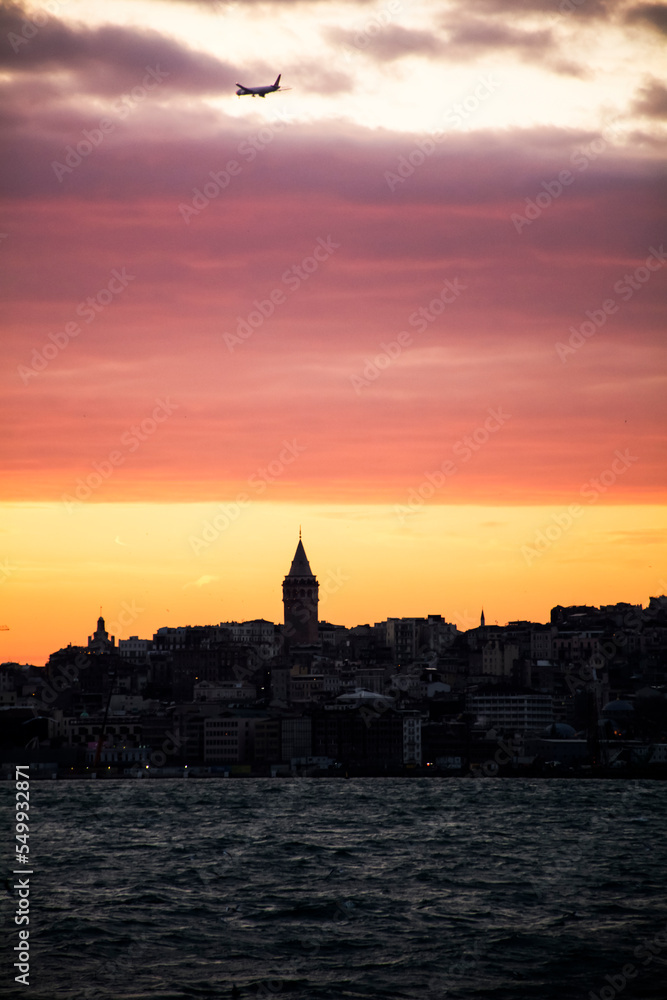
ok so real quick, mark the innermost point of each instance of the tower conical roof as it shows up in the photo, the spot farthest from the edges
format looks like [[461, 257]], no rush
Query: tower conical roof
[[300, 565]]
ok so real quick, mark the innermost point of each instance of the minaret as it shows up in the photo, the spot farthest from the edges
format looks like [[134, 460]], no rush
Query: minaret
[[481, 621], [300, 598]]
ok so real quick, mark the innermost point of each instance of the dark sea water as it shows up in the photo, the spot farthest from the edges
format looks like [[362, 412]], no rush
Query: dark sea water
[[318, 888]]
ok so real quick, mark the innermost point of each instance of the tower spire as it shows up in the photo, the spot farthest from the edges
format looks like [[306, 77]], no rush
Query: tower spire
[[300, 600]]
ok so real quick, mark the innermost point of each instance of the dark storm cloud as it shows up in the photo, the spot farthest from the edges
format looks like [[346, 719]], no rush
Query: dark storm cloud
[[166, 152], [583, 8], [106, 59], [653, 14], [478, 35], [462, 38], [229, 5], [470, 38], [652, 100], [392, 42]]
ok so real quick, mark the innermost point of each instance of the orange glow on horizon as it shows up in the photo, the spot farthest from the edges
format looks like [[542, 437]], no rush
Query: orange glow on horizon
[[150, 565]]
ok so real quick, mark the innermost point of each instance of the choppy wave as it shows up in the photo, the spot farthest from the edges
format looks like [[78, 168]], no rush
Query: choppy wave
[[331, 889]]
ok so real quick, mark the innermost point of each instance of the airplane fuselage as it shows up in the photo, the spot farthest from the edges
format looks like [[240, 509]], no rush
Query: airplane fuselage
[[258, 91], [255, 91]]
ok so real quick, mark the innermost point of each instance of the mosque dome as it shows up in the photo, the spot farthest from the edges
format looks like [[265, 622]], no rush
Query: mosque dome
[[558, 731], [361, 695], [618, 709]]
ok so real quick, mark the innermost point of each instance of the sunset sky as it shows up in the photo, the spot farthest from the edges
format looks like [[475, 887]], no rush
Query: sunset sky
[[414, 304]]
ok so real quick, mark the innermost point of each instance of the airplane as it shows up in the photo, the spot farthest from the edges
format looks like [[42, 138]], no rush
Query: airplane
[[260, 91]]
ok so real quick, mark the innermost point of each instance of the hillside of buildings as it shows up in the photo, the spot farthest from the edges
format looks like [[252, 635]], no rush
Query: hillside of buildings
[[584, 693]]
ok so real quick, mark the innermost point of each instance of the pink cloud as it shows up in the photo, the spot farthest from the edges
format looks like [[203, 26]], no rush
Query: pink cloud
[[328, 245]]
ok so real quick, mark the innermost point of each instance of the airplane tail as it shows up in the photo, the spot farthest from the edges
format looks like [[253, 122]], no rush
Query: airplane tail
[[277, 80]]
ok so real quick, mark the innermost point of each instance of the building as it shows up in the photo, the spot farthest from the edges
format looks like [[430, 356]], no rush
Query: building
[[401, 635], [521, 713], [267, 740], [499, 658], [306, 688], [541, 642], [229, 739], [118, 755], [296, 737], [379, 736], [258, 632], [83, 729], [412, 737], [228, 691], [300, 600], [279, 683], [412, 638], [100, 641], [135, 649]]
